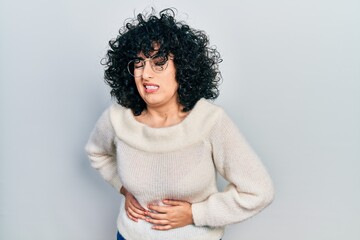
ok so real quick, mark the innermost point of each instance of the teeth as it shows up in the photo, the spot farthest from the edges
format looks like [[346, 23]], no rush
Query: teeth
[[151, 87]]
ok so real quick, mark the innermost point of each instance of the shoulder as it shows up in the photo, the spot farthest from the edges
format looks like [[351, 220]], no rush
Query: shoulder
[[210, 115], [119, 114], [207, 109], [116, 108]]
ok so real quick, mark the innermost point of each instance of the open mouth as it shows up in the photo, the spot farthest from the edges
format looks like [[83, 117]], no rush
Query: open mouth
[[149, 88]]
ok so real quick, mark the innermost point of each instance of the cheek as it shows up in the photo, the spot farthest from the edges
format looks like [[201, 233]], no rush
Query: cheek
[[173, 86], [139, 86], [172, 83]]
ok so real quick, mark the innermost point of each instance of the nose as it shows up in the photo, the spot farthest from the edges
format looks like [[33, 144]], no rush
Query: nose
[[147, 71]]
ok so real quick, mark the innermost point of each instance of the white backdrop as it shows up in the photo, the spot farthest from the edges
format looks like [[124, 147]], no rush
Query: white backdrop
[[291, 74]]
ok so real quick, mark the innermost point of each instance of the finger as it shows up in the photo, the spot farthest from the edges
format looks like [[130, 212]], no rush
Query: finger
[[161, 228], [159, 209], [134, 214], [173, 202], [135, 209], [158, 216], [131, 217], [157, 222], [137, 205]]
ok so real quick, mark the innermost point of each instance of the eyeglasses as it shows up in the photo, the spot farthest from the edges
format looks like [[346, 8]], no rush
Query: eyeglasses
[[157, 63]]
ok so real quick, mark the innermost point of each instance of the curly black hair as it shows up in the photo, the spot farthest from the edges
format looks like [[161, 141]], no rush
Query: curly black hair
[[197, 64]]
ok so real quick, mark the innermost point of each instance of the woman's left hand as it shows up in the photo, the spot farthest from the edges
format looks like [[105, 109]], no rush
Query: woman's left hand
[[173, 214]]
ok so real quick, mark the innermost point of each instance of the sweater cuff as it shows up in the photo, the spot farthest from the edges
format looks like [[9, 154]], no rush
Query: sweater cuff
[[199, 213]]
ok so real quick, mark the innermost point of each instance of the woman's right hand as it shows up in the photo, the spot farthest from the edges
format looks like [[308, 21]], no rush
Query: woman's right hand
[[133, 209]]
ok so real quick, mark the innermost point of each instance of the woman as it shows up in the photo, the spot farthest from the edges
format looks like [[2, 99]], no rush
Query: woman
[[161, 144]]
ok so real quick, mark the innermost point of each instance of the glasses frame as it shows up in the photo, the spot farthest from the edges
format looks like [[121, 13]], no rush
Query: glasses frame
[[152, 64]]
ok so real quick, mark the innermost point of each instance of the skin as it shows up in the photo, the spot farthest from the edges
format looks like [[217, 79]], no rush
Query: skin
[[172, 215], [163, 110]]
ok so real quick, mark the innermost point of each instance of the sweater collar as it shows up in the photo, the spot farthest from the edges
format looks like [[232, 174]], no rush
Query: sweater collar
[[193, 129]]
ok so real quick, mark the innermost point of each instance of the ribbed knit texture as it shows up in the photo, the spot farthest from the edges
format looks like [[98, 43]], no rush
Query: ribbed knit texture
[[180, 162]]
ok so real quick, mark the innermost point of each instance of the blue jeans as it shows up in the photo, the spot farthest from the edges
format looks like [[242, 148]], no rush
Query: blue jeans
[[119, 237]]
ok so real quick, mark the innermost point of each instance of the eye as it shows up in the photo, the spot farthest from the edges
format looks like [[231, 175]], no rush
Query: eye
[[159, 61], [138, 63]]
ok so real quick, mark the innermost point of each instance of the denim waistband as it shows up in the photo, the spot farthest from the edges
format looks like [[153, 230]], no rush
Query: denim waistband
[[119, 237]]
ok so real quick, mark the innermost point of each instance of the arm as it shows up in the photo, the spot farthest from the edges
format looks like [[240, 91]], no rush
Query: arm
[[250, 188], [102, 154], [101, 150]]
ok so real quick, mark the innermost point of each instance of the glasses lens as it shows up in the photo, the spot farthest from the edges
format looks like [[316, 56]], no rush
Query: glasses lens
[[135, 67], [159, 63], [130, 68]]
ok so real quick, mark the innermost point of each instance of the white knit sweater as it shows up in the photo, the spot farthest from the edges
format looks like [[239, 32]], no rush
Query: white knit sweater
[[180, 162]]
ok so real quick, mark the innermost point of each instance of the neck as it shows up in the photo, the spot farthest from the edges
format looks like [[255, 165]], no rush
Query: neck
[[162, 116]]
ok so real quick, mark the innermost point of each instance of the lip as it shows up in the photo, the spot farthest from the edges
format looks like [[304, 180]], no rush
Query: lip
[[150, 87]]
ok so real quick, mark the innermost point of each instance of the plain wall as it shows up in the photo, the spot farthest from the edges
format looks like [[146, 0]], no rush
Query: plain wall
[[291, 83]]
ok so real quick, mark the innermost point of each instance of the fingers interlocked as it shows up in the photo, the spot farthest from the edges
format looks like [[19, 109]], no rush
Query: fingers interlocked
[[173, 214]]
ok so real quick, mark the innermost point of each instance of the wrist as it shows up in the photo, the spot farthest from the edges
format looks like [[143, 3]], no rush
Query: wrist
[[191, 219], [123, 191], [191, 215]]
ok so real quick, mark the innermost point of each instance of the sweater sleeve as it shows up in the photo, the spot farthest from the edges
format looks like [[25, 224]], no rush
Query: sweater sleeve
[[101, 150], [250, 188]]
